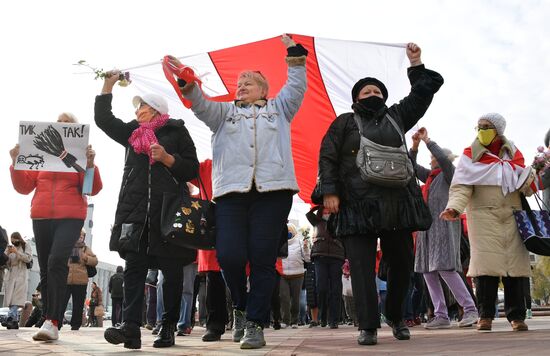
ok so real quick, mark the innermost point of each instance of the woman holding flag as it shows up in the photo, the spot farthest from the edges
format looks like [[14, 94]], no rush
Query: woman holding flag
[[253, 183], [486, 183]]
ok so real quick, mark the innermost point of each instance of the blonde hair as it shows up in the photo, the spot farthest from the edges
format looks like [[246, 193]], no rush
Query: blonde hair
[[69, 115], [258, 77], [292, 229]]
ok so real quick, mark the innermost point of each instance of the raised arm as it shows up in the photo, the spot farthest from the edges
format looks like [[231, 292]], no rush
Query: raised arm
[[291, 95], [115, 128], [422, 173], [444, 162], [424, 84]]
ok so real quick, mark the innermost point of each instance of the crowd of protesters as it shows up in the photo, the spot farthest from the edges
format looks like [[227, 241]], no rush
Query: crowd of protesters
[[381, 250]]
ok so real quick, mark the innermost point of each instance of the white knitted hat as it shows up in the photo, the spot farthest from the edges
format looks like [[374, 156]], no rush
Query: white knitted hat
[[497, 120]]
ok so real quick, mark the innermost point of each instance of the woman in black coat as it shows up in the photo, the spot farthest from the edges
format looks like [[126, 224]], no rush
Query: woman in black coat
[[364, 211], [160, 157]]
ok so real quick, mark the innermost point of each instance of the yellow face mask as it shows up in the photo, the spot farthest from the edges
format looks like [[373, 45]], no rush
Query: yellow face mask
[[486, 136]]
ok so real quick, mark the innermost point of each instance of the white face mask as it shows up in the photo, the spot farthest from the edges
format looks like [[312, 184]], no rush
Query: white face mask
[[326, 217]]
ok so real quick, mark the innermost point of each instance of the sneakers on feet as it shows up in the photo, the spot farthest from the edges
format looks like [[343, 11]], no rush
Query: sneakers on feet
[[313, 324], [239, 317], [438, 323], [253, 336], [47, 332], [294, 326], [468, 319]]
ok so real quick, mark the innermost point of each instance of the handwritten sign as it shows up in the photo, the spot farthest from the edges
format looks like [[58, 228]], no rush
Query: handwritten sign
[[52, 146]]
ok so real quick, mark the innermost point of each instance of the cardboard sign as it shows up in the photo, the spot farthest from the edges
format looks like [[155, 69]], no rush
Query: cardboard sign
[[52, 146]]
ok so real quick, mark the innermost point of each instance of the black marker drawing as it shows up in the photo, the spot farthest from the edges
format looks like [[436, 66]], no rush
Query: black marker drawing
[[50, 141], [33, 160]]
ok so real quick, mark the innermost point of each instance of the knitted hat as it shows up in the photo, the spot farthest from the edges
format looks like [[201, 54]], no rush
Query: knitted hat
[[497, 120], [368, 81], [449, 154]]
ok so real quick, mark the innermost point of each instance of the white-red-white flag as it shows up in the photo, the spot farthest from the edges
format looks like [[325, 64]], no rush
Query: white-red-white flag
[[333, 67]]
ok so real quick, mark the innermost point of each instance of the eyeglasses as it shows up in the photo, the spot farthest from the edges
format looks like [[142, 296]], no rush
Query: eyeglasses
[[141, 104], [260, 73], [484, 127]]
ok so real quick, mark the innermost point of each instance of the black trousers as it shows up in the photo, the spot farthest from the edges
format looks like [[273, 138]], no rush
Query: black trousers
[[328, 274], [216, 303], [397, 248], [78, 293], [55, 239], [137, 264], [116, 311], [514, 296]]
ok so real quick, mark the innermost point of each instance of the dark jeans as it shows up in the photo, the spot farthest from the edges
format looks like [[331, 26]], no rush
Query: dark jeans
[[216, 307], [276, 301], [137, 264], [514, 297], [116, 311], [414, 300], [290, 290], [55, 239], [527, 292], [78, 292], [151, 305], [397, 249], [328, 274], [249, 227]]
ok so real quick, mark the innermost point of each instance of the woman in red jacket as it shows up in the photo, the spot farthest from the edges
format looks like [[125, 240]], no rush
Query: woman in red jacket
[[58, 210]]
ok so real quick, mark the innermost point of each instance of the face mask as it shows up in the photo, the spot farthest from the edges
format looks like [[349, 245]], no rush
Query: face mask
[[326, 217], [373, 103], [486, 136], [16, 243], [289, 235]]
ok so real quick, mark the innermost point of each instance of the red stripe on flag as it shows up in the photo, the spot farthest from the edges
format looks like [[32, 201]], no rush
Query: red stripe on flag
[[316, 113]]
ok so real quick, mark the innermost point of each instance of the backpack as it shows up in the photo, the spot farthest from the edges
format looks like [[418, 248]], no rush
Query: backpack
[[117, 282], [383, 165]]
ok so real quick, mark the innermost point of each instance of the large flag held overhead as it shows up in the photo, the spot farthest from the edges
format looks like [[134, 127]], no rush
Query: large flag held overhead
[[333, 67]]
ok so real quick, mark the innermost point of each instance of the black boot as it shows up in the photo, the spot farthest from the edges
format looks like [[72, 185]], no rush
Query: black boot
[[367, 337], [400, 330], [7, 321], [12, 324], [212, 335], [128, 334], [165, 337]]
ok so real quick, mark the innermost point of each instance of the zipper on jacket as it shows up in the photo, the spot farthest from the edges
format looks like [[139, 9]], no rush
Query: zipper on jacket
[[254, 118], [126, 180]]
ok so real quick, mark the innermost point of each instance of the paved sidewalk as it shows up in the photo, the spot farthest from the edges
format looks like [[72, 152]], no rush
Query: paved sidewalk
[[302, 341]]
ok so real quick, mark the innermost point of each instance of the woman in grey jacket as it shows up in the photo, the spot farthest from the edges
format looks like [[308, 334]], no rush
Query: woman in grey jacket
[[438, 249], [253, 183]]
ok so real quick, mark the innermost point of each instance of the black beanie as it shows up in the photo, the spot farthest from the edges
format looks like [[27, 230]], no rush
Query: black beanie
[[368, 81]]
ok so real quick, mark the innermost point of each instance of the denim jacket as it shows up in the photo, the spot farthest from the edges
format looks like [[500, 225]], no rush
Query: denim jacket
[[251, 143]]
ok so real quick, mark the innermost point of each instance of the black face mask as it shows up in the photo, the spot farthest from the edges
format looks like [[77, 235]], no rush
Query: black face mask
[[373, 103], [16, 243]]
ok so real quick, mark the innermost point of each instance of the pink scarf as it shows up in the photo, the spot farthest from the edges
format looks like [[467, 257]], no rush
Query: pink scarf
[[144, 136]]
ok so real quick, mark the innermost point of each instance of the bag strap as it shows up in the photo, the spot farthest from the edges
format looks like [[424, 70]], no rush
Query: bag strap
[[357, 119]]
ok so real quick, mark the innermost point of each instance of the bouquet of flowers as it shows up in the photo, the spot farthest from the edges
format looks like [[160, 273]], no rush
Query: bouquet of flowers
[[123, 79], [542, 160]]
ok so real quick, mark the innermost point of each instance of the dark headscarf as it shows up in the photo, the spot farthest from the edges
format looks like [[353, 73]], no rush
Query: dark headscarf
[[368, 81]]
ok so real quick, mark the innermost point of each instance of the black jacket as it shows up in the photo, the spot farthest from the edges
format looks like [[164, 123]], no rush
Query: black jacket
[[140, 199], [116, 286], [365, 207]]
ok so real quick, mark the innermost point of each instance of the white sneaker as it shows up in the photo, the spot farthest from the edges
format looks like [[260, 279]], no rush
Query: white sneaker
[[438, 323], [468, 319], [47, 332], [294, 326], [284, 326]]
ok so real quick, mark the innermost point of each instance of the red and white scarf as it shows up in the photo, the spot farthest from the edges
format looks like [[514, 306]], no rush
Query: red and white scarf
[[144, 136], [490, 170]]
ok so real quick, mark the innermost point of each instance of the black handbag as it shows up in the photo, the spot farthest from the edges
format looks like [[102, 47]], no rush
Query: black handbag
[[188, 222], [92, 271]]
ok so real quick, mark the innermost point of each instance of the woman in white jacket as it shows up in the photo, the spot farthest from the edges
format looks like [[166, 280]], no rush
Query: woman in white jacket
[[19, 254], [293, 276]]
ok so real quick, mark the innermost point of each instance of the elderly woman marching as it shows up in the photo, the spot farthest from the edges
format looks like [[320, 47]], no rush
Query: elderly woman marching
[[19, 254], [365, 210], [485, 183], [438, 249], [160, 158], [254, 180]]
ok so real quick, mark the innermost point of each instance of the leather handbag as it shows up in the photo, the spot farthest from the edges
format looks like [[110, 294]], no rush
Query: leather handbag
[[384, 165], [92, 271], [189, 222], [99, 311], [534, 228]]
